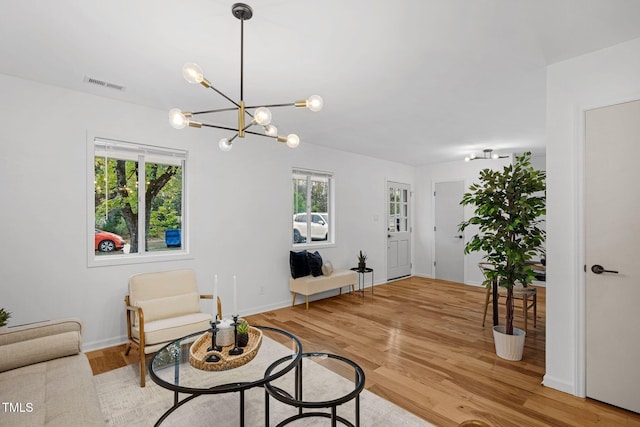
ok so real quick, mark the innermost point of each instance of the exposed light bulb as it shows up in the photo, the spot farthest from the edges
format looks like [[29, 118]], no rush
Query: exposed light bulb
[[293, 140], [472, 156], [262, 116], [177, 119], [192, 73], [495, 156], [225, 145], [314, 103], [467, 159], [271, 130]]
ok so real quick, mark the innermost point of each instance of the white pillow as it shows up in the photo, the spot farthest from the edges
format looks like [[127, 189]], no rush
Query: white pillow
[[327, 268], [174, 306]]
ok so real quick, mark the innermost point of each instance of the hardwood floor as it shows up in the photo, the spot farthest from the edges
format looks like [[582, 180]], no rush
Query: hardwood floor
[[422, 346]]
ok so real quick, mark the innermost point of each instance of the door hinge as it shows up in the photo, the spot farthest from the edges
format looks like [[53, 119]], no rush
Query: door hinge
[[434, 228], [434, 194], [585, 268], [434, 263]]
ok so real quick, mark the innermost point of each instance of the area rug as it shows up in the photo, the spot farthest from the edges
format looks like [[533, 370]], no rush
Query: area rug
[[125, 403]]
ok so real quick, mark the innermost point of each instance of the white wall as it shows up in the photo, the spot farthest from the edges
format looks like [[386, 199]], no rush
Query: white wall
[[426, 177], [601, 78], [240, 207]]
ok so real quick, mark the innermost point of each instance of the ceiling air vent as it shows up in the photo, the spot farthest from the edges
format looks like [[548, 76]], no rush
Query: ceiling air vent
[[102, 83]]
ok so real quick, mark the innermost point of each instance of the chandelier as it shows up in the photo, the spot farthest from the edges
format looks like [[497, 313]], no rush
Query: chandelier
[[486, 155], [248, 116]]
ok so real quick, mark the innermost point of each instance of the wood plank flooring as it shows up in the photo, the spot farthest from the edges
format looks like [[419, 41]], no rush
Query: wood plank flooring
[[422, 346]]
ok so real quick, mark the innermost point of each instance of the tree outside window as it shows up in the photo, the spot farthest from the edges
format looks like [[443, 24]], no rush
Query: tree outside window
[[138, 198]]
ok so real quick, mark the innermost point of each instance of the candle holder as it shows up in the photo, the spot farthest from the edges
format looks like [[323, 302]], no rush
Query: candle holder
[[214, 330], [235, 350]]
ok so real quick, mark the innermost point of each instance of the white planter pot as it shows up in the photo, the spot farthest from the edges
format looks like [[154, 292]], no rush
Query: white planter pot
[[508, 347]]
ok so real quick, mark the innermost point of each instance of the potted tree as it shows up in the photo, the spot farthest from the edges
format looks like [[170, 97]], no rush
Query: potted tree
[[509, 205]]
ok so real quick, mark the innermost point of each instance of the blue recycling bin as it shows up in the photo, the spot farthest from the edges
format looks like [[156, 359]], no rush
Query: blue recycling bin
[[173, 238]]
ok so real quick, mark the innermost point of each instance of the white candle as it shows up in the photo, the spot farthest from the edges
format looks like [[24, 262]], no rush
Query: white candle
[[235, 296], [215, 297]]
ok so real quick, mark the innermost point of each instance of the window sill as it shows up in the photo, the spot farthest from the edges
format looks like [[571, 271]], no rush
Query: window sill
[[109, 260], [313, 245]]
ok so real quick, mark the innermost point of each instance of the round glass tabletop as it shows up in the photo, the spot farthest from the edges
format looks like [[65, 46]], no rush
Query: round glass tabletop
[[171, 369]]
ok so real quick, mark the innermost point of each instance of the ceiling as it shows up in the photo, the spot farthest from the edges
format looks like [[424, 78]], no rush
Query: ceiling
[[411, 81]]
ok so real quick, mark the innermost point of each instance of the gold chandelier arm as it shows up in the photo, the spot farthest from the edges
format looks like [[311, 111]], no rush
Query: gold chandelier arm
[[225, 96], [219, 127], [215, 111], [261, 134], [291, 104]]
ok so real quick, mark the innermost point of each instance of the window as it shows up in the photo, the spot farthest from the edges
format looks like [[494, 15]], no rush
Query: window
[[312, 207], [138, 207]]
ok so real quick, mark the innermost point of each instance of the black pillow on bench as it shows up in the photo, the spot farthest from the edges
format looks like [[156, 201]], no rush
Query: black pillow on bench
[[315, 263], [299, 263]]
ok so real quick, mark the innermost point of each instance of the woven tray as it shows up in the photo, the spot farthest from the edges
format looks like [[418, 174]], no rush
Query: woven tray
[[198, 352]]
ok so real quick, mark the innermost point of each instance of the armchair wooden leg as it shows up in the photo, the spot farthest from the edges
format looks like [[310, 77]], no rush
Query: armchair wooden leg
[[293, 302], [306, 299], [126, 353], [143, 369]]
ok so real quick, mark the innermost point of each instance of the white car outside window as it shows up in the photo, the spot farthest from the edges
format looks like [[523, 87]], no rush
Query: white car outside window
[[319, 227]]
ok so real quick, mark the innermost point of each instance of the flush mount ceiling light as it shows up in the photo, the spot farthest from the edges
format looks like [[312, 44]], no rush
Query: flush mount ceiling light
[[259, 115], [486, 155]]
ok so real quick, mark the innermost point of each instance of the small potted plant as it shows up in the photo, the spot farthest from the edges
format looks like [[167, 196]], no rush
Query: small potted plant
[[243, 333], [4, 317], [362, 261]]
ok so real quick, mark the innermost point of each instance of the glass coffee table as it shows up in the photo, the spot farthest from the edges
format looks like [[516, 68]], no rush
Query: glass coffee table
[[170, 368], [312, 397]]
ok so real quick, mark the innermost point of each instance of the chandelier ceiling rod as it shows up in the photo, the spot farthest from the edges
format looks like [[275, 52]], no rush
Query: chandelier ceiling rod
[[261, 116], [486, 155]]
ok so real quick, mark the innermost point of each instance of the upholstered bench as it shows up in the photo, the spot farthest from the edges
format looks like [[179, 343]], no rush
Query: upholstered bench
[[310, 285]]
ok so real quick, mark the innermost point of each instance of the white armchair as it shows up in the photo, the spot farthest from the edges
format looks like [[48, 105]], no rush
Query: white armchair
[[160, 308]]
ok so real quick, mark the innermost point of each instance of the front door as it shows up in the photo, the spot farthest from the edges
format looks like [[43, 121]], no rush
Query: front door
[[612, 203], [449, 241], [398, 230]]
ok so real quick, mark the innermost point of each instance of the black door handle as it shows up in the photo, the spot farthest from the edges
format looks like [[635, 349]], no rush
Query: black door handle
[[459, 237], [598, 269]]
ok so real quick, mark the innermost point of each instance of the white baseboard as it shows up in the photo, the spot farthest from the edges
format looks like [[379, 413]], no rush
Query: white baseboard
[[558, 384], [100, 344], [424, 276]]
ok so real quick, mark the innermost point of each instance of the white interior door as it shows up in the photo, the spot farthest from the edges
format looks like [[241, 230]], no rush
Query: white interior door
[[448, 241], [612, 202], [398, 230]]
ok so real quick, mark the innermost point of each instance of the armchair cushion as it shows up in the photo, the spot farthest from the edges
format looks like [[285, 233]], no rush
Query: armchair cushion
[[163, 331], [166, 307]]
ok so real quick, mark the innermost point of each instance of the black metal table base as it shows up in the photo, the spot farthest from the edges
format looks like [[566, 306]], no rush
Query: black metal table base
[[297, 400]]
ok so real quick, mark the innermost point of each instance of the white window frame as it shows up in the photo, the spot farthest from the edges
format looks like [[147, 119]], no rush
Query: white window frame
[[139, 152], [331, 238]]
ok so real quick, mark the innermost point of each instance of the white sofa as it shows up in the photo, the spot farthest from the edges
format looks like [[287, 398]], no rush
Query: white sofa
[[45, 379], [310, 285]]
